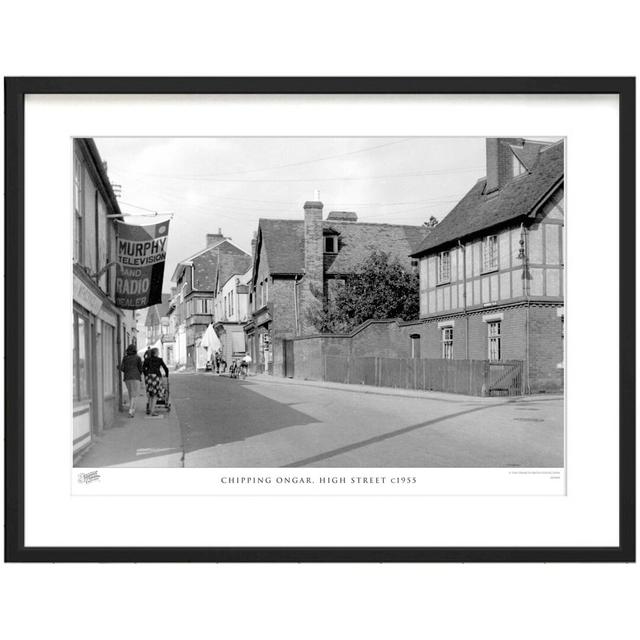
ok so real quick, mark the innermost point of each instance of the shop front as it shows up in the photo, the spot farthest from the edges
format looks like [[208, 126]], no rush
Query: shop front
[[97, 331]]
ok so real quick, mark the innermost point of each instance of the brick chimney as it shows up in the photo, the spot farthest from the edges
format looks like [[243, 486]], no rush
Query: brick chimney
[[313, 280], [499, 162], [214, 238]]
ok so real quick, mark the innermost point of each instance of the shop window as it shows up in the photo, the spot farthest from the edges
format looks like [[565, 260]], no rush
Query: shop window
[[444, 267], [495, 341], [447, 343], [81, 377]]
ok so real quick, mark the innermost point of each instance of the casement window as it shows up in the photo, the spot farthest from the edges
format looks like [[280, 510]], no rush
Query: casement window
[[78, 210], [495, 341], [444, 267], [331, 244], [81, 377], [490, 253], [447, 343]]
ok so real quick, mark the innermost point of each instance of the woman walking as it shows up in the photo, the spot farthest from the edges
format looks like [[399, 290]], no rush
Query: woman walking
[[131, 366], [152, 375]]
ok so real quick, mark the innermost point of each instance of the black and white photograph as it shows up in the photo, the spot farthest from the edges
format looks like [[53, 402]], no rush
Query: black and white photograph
[[326, 302]]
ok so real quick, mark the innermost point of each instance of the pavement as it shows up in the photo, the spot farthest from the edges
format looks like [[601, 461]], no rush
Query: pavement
[[141, 441], [264, 421]]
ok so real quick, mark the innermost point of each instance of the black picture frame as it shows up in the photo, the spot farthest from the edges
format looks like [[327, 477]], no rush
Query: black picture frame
[[15, 91]]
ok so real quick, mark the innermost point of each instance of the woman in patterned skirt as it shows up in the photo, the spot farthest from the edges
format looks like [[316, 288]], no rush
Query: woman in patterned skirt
[[153, 375]]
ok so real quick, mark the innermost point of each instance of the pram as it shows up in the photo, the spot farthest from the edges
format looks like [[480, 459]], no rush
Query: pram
[[164, 398]]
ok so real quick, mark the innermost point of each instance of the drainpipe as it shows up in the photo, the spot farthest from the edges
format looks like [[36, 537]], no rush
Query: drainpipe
[[295, 304], [524, 241], [464, 297]]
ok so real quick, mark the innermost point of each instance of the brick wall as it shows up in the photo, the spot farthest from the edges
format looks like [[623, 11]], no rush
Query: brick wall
[[392, 339]]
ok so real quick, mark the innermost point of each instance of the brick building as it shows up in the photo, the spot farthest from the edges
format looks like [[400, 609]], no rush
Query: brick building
[[298, 262], [192, 306], [492, 271]]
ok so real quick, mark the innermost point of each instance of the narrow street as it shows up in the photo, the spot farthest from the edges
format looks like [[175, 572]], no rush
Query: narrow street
[[266, 422]]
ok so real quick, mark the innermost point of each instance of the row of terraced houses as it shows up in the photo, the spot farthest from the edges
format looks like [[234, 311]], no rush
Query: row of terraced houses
[[491, 289]]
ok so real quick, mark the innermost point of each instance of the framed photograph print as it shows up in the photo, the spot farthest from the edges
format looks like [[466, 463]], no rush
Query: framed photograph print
[[320, 319]]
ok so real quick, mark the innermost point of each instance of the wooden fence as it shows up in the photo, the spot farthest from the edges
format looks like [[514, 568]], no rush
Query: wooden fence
[[470, 377]]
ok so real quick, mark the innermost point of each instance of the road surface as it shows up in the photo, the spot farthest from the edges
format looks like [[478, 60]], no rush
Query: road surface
[[266, 422]]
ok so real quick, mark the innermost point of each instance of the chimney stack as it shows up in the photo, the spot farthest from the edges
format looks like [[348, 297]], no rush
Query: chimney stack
[[499, 162], [214, 238], [313, 281]]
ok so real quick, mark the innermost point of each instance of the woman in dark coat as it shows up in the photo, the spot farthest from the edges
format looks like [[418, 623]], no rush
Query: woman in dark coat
[[131, 366], [153, 375]]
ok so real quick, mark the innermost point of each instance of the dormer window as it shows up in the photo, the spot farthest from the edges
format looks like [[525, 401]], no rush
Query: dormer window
[[518, 167], [331, 244]]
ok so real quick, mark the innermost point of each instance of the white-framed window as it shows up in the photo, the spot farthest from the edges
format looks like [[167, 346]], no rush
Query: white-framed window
[[447, 343], [490, 253], [444, 267], [331, 244], [81, 351], [78, 210], [494, 330]]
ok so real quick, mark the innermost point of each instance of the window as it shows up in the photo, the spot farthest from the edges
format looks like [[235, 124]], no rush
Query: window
[[490, 253], [203, 306], [78, 211], [447, 343], [331, 244], [415, 345], [80, 357], [495, 341], [518, 167], [444, 267], [264, 293], [108, 357]]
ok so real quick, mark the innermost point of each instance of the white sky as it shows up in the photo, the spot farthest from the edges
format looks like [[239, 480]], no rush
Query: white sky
[[229, 183]]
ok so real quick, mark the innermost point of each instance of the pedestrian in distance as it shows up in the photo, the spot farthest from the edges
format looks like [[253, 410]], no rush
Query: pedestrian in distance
[[217, 362], [244, 366], [131, 367], [223, 364], [153, 378]]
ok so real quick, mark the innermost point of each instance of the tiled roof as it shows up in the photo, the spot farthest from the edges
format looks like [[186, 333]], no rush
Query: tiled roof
[[284, 243], [477, 211], [231, 265], [205, 264]]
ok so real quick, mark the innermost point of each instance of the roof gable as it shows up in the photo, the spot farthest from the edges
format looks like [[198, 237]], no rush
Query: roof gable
[[516, 199]]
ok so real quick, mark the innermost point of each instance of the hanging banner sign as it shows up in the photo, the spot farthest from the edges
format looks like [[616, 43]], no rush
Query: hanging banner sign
[[142, 251]]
